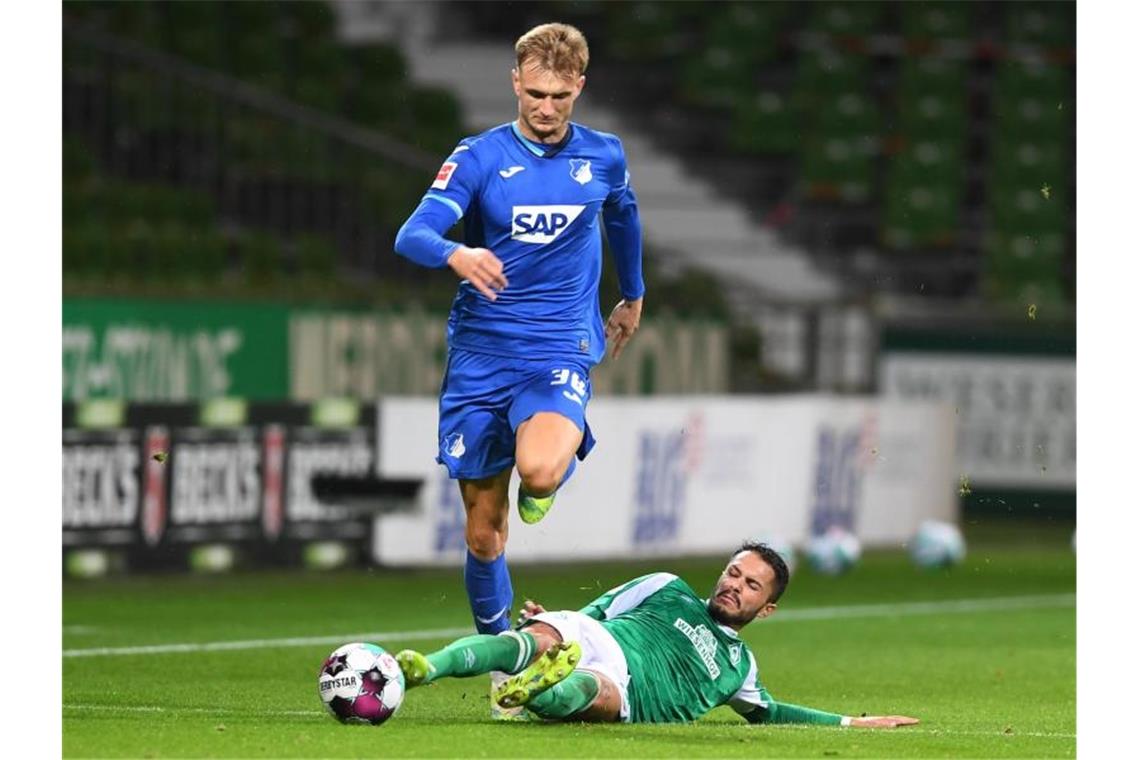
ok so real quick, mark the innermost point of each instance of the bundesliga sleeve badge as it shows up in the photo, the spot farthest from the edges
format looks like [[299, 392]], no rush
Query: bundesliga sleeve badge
[[444, 175]]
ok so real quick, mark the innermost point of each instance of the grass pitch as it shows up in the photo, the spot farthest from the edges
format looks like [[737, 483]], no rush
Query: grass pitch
[[994, 676]]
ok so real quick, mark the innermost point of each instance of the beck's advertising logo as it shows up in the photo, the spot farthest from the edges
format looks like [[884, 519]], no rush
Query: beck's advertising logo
[[541, 224]]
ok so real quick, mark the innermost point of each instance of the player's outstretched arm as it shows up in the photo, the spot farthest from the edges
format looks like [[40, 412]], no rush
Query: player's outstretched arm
[[885, 721], [777, 713]]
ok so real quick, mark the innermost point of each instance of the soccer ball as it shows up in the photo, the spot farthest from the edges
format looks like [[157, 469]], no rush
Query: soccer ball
[[834, 552], [937, 544], [361, 683]]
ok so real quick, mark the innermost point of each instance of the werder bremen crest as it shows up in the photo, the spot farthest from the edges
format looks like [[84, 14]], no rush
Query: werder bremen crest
[[734, 654], [580, 170]]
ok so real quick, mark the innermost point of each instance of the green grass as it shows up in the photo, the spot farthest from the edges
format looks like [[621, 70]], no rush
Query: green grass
[[987, 683]]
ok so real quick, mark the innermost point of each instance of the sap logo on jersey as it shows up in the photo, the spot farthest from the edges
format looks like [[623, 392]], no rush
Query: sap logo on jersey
[[541, 224]]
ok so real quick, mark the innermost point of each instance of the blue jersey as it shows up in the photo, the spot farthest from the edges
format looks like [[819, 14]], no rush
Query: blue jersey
[[537, 208]]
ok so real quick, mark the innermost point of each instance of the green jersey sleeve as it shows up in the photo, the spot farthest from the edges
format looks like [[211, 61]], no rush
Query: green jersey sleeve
[[756, 705], [626, 596]]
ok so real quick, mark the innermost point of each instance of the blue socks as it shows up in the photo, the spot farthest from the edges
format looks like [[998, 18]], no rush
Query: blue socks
[[490, 593]]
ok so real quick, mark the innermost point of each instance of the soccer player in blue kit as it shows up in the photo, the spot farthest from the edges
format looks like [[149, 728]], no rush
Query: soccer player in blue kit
[[525, 327]]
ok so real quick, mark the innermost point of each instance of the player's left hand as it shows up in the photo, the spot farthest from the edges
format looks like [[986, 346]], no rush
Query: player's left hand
[[883, 721], [529, 610], [622, 324]]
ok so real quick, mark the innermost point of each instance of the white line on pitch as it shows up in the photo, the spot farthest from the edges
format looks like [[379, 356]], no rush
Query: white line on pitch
[[297, 641], [926, 608], [950, 606], [321, 714], [195, 710]]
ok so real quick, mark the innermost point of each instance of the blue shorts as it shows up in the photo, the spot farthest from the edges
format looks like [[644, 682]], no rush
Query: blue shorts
[[485, 398]]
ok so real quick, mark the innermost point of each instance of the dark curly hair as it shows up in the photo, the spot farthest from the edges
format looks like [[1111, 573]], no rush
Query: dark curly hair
[[774, 560]]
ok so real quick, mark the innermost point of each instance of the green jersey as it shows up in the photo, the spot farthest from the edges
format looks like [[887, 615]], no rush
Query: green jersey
[[682, 663]]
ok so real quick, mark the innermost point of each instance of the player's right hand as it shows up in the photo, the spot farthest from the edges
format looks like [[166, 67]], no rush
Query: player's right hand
[[480, 267]]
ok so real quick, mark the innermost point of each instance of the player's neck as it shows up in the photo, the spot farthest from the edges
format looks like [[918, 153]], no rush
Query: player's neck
[[551, 139]]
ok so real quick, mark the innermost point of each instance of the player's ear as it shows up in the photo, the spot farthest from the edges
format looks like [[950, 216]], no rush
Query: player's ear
[[766, 610], [581, 84], [515, 82]]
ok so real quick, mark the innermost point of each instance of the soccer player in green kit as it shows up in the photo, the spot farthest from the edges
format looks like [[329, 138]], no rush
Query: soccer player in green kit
[[649, 651]]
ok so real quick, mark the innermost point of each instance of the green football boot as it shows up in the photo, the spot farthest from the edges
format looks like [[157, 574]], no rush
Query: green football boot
[[533, 508], [551, 667], [415, 667]]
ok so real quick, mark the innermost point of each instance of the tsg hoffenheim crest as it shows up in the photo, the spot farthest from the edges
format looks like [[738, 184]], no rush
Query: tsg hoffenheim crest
[[453, 445], [580, 170]]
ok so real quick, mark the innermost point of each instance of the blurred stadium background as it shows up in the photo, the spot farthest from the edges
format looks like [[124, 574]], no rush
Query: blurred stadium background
[[860, 251]]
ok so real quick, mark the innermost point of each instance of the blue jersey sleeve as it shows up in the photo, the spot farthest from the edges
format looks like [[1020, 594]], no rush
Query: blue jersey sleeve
[[623, 227], [456, 183]]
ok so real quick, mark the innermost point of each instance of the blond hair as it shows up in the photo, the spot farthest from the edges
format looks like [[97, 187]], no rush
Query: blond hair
[[560, 48]]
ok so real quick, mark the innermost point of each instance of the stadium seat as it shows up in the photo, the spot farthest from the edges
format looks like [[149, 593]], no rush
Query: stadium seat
[[1016, 208], [935, 20], [1032, 118], [920, 216], [848, 114], [765, 124], [1016, 79], [647, 31], [1041, 23], [846, 19], [933, 116], [753, 29], [943, 77], [1030, 164], [923, 161], [717, 77], [838, 169], [826, 72]]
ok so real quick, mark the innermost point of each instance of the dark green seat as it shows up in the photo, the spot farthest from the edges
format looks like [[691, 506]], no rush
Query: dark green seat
[[923, 161], [765, 124], [933, 116], [838, 169], [717, 77], [846, 18], [1018, 79], [1028, 164], [650, 31], [1042, 23], [943, 77], [936, 20], [1025, 210], [921, 215], [848, 114]]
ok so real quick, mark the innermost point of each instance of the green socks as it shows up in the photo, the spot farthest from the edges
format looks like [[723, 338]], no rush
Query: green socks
[[570, 696], [510, 652]]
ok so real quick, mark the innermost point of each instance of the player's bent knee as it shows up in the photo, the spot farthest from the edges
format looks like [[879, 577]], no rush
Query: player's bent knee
[[540, 478], [485, 542], [545, 636]]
